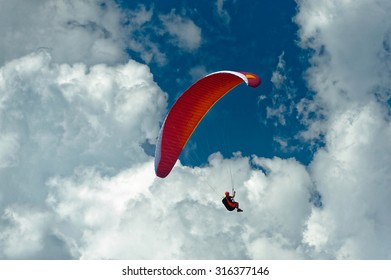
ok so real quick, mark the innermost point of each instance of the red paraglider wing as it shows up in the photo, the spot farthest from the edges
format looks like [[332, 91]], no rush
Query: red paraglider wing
[[188, 111]]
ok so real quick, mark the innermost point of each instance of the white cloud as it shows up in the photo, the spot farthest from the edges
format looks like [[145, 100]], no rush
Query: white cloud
[[223, 14], [184, 32], [76, 183], [348, 66], [283, 95], [279, 75], [133, 215], [285, 198], [141, 27], [74, 31], [353, 176], [8, 149], [57, 119], [141, 15], [197, 72], [351, 172]]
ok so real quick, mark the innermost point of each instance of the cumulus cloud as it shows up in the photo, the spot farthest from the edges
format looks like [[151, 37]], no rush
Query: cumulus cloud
[[77, 183], [280, 199], [27, 233], [75, 31], [350, 110], [353, 176], [184, 32], [133, 215], [81, 186], [59, 118], [348, 66]]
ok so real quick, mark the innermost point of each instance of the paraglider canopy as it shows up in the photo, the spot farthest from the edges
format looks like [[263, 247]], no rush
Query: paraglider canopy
[[188, 111]]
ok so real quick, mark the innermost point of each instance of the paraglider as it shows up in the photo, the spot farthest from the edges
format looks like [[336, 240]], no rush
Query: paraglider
[[229, 202], [188, 111]]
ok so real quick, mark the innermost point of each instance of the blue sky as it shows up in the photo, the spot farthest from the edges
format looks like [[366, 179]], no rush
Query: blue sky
[[236, 38], [85, 86]]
